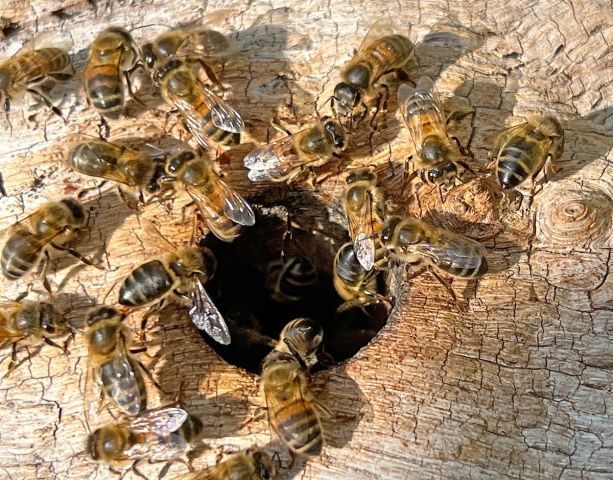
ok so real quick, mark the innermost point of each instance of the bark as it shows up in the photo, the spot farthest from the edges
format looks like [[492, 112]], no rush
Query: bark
[[518, 386]]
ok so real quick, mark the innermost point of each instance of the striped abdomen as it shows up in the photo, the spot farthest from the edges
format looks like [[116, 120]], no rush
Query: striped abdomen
[[520, 158], [104, 87], [33, 66], [209, 129], [457, 255], [297, 425], [148, 283], [21, 253], [424, 109], [387, 53], [123, 383], [291, 281]]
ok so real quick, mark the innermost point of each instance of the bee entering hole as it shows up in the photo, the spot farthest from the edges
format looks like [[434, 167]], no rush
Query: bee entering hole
[[278, 271]]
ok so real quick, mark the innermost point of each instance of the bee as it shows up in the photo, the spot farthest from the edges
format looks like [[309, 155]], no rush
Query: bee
[[292, 280], [380, 53], [112, 58], [521, 151], [351, 280], [291, 407], [34, 64], [183, 271], [251, 464], [439, 161], [413, 241], [285, 160], [102, 159], [224, 211], [205, 115], [159, 435], [30, 322], [52, 225], [365, 209], [302, 337], [111, 368]]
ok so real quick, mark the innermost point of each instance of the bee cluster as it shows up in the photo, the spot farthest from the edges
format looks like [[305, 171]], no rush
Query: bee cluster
[[178, 64]]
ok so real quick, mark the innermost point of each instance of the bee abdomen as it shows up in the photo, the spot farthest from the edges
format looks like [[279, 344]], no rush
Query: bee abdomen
[[216, 134], [480, 268], [516, 161], [392, 51], [105, 90], [300, 428], [19, 255], [147, 283], [124, 385]]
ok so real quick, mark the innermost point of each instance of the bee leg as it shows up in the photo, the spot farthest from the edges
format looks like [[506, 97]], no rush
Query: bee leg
[[134, 206], [209, 72], [126, 75], [50, 342], [43, 272], [136, 471], [13, 362], [149, 375], [104, 129], [462, 150], [440, 193], [78, 255], [447, 286], [41, 96], [143, 323]]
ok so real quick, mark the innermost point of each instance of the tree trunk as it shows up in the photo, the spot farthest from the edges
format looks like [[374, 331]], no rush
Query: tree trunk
[[516, 386]]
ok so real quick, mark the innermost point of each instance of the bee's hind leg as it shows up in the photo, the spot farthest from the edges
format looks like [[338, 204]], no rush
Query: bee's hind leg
[[41, 96]]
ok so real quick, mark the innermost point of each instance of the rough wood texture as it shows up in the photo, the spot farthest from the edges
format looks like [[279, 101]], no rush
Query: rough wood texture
[[517, 387]]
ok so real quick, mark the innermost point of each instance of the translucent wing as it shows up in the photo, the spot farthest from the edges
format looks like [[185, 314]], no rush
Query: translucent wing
[[206, 316], [207, 43], [161, 421], [361, 229], [48, 39], [499, 139], [381, 28], [365, 251], [453, 252], [105, 153], [93, 391], [159, 448]]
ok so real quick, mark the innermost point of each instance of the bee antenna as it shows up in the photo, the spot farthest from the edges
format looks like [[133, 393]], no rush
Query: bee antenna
[[278, 457]]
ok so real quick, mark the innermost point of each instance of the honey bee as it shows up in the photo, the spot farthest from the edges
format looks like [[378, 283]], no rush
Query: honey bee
[[52, 225], [251, 464], [351, 280], [439, 161], [183, 271], [521, 151], [285, 160], [290, 281], [365, 209], [30, 322], [413, 241], [112, 58], [291, 407], [205, 115], [159, 435], [34, 64], [224, 211], [302, 337], [380, 53], [112, 370], [102, 159]]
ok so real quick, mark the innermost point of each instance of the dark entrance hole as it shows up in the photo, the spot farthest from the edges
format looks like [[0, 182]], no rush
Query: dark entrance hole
[[240, 291]]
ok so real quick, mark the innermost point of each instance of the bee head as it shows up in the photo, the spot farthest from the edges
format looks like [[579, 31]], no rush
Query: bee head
[[303, 336], [548, 126], [175, 163], [101, 313], [191, 260], [264, 465], [389, 227], [51, 321], [338, 133], [149, 55], [361, 174], [348, 96]]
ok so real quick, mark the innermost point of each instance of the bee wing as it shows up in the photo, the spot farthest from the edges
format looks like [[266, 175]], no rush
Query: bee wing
[[152, 238], [207, 43], [49, 39], [384, 26], [498, 139], [159, 448], [161, 421], [93, 144], [93, 391], [206, 316], [361, 230], [273, 161], [453, 251]]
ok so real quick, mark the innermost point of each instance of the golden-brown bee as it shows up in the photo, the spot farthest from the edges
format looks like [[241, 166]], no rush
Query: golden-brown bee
[[413, 241], [159, 435], [365, 209], [112, 370], [113, 56], [381, 52], [439, 160], [291, 407], [302, 337], [251, 464], [521, 151], [52, 225], [285, 160], [32, 65], [224, 211], [290, 281], [205, 115], [30, 322], [183, 271], [351, 280], [102, 159]]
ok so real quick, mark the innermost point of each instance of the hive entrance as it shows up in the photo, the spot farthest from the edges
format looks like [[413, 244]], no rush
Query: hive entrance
[[239, 291]]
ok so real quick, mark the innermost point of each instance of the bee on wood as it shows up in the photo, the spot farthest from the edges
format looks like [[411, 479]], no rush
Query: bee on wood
[[520, 152], [439, 160], [113, 56], [160, 435], [44, 58], [110, 161], [251, 464], [291, 406], [413, 241], [287, 159], [224, 210], [183, 272], [364, 207], [112, 369], [30, 323], [52, 225], [382, 52]]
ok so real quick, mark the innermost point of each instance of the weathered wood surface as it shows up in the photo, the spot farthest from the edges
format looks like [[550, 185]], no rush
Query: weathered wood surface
[[517, 387]]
